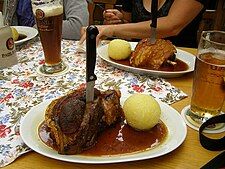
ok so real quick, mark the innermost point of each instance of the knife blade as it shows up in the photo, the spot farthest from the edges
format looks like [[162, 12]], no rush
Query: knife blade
[[154, 9], [91, 33]]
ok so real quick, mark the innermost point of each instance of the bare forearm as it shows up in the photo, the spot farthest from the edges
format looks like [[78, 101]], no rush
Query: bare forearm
[[142, 29], [131, 30]]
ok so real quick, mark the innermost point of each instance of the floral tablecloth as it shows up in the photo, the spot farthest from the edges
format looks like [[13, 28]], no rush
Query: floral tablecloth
[[21, 88]]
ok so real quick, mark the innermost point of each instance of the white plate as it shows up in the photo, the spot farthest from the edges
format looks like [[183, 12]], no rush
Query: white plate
[[186, 57], [176, 126], [30, 32]]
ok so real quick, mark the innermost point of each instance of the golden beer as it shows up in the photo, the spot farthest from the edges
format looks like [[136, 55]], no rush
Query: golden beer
[[49, 18], [208, 86]]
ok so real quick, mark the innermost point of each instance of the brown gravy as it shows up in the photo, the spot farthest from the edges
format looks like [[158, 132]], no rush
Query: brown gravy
[[180, 66], [119, 139], [21, 36]]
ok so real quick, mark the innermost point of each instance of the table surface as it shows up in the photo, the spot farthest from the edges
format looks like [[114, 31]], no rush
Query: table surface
[[189, 155]]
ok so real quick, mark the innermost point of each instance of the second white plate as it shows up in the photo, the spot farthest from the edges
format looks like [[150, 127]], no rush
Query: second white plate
[[30, 33], [186, 57], [176, 126]]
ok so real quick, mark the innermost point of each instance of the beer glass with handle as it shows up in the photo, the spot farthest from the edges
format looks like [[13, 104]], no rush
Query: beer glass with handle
[[49, 16], [208, 92]]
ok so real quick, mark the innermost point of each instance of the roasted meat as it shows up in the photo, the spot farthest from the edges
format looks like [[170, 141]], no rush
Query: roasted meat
[[152, 56], [75, 125]]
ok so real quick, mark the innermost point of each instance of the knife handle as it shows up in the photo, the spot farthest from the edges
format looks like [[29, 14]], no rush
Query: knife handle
[[91, 33], [154, 10]]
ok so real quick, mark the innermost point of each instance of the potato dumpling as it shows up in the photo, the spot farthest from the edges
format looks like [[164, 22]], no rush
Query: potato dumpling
[[142, 112], [15, 34], [119, 49]]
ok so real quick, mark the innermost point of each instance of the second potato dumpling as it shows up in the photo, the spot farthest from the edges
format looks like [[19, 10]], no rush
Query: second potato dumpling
[[119, 49]]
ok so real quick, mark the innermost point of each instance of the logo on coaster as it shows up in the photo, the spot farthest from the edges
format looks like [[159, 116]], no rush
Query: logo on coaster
[[10, 44], [40, 14]]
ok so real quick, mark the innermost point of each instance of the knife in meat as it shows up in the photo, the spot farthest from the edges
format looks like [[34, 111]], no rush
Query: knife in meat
[[91, 33], [154, 9]]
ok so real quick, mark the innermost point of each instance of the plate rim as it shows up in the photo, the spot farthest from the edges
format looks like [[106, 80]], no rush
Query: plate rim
[[31, 32], [190, 60], [37, 145]]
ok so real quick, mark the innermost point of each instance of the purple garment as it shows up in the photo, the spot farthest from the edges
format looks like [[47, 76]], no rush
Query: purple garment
[[24, 13]]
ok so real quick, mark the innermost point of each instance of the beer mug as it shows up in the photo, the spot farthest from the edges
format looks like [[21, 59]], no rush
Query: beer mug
[[208, 92], [49, 16], [8, 56]]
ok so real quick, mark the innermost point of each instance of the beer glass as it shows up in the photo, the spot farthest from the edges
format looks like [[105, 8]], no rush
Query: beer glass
[[49, 16], [208, 90]]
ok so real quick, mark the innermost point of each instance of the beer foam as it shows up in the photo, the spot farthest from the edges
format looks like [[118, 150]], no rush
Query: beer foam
[[50, 10], [212, 56], [217, 53]]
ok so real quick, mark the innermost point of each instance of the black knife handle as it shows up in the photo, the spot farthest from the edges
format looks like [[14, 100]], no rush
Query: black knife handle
[[91, 33], [154, 10]]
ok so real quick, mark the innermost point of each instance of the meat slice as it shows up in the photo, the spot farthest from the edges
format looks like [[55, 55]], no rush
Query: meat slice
[[111, 106], [75, 125], [152, 56]]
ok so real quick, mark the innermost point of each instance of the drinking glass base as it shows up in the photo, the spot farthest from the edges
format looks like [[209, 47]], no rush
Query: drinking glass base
[[51, 69], [55, 70], [185, 113]]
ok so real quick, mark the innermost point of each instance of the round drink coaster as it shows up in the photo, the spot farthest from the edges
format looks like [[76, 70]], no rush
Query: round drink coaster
[[53, 74], [217, 128]]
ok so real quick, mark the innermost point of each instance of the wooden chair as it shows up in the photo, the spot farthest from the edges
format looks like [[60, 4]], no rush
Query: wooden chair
[[213, 19], [1, 5], [96, 9]]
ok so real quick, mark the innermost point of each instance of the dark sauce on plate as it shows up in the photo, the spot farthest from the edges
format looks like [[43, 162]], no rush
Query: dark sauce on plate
[[118, 139], [180, 66], [21, 36]]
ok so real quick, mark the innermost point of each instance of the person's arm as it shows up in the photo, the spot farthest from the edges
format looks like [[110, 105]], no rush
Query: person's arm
[[182, 12], [75, 16]]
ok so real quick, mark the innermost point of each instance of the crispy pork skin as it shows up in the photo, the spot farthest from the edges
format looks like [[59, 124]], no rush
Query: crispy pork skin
[[152, 56], [74, 124]]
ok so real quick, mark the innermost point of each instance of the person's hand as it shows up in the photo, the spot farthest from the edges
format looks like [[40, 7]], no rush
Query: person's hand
[[104, 32], [112, 16]]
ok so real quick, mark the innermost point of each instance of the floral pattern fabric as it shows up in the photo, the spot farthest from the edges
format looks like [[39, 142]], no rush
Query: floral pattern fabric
[[21, 88]]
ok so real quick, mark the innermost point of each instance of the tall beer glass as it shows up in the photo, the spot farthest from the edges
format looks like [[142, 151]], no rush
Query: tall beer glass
[[208, 92], [49, 16]]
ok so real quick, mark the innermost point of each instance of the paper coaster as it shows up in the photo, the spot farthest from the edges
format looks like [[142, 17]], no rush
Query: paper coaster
[[53, 74], [192, 124]]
